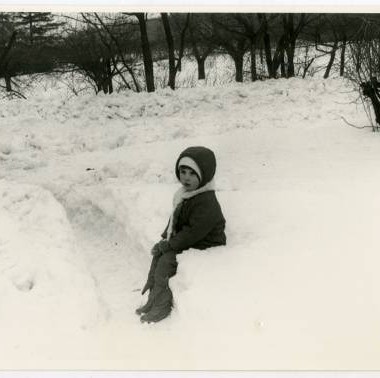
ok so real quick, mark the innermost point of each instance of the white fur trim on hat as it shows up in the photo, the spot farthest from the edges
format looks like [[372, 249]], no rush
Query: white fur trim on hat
[[189, 162]]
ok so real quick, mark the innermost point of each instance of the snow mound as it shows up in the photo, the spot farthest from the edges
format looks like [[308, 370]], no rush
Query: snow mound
[[44, 280]]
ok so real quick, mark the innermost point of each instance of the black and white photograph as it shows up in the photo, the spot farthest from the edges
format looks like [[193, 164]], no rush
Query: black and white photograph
[[189, 190]]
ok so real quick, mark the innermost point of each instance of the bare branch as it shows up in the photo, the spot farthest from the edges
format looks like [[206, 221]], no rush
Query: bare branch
[[352, 125]]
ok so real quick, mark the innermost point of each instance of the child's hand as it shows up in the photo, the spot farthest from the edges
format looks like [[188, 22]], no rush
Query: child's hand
[[161, 247], [164, 246], [155, 250]]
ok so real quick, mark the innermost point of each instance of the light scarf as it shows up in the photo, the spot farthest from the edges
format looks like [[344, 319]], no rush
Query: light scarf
[[180, 195]]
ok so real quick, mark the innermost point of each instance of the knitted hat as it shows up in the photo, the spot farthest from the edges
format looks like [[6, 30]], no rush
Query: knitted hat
[[203, 158]]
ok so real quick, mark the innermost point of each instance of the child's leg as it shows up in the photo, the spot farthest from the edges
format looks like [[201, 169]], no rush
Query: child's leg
[[165, 268], [162, 296], [150, 281]]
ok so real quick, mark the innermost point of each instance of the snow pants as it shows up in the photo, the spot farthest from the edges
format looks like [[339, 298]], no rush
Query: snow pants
[[162, 268]]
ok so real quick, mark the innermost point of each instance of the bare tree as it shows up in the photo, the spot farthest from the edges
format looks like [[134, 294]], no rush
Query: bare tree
[[327, 47], [18, 56], [307, 60], [117, 42], [173, 66], [293, 24], [83, 51], [227, 34], [274, 57], [147, 55], [200, 40], [102, 48], [332, 33], [146, 51], [4, 61], [250, 27], [364, 71]]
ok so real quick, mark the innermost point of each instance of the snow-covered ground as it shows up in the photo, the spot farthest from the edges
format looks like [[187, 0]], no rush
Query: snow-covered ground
[[86, 185]]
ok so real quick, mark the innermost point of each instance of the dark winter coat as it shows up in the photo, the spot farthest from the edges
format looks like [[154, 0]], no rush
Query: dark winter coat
[[198, 223]]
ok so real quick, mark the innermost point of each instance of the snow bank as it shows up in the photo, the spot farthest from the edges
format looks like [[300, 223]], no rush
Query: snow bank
[[44, 283], [89, 184]]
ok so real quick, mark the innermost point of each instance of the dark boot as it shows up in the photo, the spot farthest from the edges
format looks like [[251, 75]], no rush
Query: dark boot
[[162, 306], [156, 315], [147, 306]]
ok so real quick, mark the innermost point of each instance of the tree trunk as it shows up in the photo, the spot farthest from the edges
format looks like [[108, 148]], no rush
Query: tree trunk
[[278, 58], [253, 61], [238, 59], [109, 76], [342, 56], [170, 42], [268, 56], [267, 45], [104, 80], [331, 61], [98, 86], [370, 89], [358, 60], [290, 57], [201, 68], [8, 83], [99, 78], [290, 72], [282, 64], [289, 42], [147, 55]]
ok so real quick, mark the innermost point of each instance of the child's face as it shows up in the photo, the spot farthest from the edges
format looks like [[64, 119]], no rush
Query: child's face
[[188, 178]]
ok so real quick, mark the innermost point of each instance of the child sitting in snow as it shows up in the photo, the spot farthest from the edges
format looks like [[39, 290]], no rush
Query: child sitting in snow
[[196, 222]]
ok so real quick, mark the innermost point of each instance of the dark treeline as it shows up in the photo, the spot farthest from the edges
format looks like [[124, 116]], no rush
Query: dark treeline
[[119, 47]]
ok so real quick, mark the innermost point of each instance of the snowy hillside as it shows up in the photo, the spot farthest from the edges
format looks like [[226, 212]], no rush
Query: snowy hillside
[[86, 186]]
